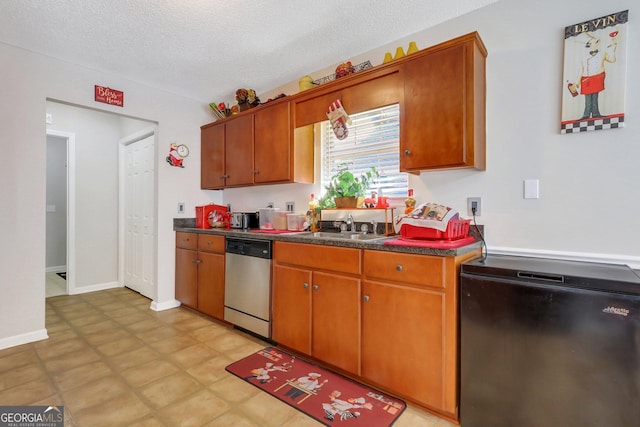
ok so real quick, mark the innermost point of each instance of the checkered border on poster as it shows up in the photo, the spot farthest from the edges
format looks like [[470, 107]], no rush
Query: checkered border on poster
[[592, 124]]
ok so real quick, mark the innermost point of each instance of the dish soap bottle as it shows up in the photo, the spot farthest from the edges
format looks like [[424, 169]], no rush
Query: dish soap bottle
[[312, 214], [409, 203]]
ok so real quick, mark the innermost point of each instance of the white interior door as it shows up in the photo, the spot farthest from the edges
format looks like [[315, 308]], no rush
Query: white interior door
[[139, 216]]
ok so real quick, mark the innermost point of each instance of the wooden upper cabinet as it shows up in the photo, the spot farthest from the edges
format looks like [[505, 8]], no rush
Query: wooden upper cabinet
[[360, 92], [212, 160], [441, 92], [239, 151], [273, 144], [442, 123]]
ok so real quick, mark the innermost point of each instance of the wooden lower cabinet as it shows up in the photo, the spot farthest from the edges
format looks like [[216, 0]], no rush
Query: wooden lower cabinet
[[200, 272], [410, 326], [317, 312], [388, 318], [403, 341]]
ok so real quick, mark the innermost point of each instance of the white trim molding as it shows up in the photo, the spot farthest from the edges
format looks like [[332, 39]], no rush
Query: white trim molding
[[15, 340], [167, 305], [632, 261]]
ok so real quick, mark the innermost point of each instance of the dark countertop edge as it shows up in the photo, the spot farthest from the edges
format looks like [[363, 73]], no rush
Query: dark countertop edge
[[189, 227]]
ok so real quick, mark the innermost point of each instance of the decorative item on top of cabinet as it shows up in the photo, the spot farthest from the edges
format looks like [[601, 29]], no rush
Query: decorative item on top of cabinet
[[246, 99], [413, 48]]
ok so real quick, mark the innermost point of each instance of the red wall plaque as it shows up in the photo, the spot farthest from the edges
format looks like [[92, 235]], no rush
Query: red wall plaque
[[109, 96]]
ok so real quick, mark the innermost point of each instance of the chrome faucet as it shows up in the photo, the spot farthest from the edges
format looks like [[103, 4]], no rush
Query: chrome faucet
[[350, 223]]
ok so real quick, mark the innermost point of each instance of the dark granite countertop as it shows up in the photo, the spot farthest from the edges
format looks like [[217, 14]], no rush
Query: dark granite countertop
[[188, 225]]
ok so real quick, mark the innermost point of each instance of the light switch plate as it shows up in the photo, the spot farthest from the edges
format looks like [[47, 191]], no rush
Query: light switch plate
[[181, 207], [531, 189]]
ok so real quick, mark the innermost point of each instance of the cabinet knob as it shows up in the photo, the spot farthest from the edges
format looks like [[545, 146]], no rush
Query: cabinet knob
[[256, 172], [305, 285], [196, 261], [315, 287], [407, 152], [365, 298], [399, 267]]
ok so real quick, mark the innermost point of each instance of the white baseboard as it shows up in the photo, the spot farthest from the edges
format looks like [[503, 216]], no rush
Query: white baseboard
[[23, 338], [92, 288], [631, 261], [161, 306]]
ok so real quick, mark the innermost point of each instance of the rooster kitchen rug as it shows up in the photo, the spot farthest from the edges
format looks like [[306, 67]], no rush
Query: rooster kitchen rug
[[326, 396]]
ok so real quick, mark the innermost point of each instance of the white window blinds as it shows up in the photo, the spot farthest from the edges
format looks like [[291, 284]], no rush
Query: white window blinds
[[374, 139]]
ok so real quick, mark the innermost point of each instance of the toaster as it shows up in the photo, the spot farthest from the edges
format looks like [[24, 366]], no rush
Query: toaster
[[244, 220]]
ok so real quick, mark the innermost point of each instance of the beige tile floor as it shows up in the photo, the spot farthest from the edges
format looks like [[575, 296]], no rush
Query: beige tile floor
[[111, 361], [56, 285]]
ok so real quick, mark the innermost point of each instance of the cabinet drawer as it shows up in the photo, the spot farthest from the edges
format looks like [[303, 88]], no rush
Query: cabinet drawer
[[343, 260], [210, 243], [186, 240], [423, 270]]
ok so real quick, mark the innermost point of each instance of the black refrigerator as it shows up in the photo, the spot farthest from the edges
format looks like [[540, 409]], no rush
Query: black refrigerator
[[549, 343]]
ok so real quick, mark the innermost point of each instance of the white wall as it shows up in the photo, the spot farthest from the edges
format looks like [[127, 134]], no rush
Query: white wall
[[588, 181], [28, 79], [56, 219]]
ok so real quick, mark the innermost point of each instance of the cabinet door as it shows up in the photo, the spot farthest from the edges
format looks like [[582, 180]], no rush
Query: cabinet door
[[402, 341], [212, 160], [211, 284], [433, 121], [273, 144], [187, 277], [292, 308], [336, 320], [239, 151]]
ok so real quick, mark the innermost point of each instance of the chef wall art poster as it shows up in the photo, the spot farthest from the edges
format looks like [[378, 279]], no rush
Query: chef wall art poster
[[595, 63]]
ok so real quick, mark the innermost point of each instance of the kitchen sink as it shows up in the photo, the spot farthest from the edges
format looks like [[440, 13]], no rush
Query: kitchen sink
[[342, 236]]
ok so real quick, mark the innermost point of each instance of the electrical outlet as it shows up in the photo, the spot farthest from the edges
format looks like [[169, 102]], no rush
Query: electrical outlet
[[474, 203], [291, 206], [181, 208]]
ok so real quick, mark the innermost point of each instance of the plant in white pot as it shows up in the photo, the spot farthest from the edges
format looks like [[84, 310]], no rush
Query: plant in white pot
[[345, 188]]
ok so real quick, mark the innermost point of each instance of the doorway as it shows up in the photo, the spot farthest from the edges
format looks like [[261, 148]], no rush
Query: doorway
[[59, 209], [95, 250]]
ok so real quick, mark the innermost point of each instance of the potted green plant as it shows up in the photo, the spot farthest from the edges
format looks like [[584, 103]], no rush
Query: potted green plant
[[345, 188]]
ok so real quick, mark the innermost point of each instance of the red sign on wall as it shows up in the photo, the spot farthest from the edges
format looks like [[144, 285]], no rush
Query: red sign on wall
[[109, 96]]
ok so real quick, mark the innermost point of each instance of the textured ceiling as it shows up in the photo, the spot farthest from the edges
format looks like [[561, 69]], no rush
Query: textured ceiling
[[205, 49]]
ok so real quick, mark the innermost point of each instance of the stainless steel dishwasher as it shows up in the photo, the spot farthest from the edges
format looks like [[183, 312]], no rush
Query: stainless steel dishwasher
[[247, 290]]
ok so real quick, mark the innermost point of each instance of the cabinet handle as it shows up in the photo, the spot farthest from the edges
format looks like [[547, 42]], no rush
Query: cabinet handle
[[315, 287], [407, 152], [305, 285], [365, 298], [399, 267]]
